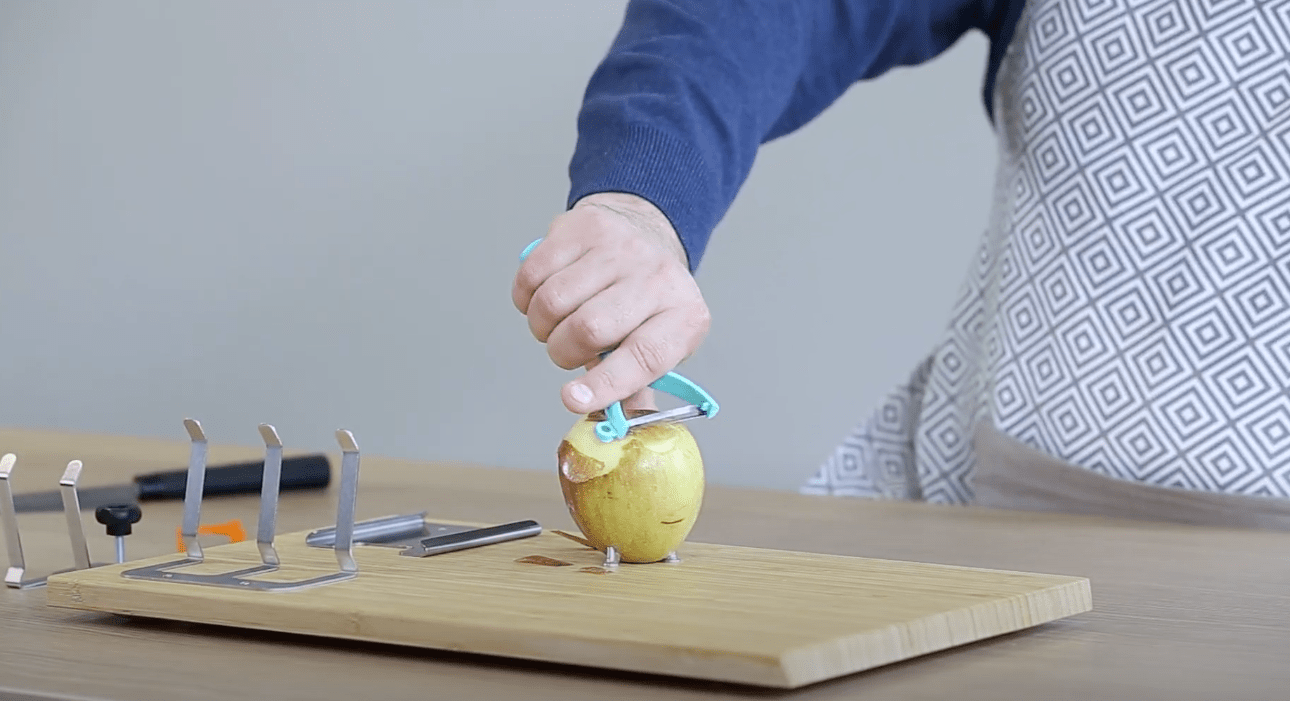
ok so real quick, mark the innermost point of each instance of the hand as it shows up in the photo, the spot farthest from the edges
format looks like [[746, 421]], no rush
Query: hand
[[612, 272]]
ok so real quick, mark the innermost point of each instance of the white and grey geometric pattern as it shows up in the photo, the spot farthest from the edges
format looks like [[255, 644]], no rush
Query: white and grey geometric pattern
[[1130, 309]]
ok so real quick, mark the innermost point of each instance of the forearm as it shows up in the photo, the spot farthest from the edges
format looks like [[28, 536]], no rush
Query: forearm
[[690, 89]]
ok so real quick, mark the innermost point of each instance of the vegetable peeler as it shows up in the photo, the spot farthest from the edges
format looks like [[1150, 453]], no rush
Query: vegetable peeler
[[616, 424]]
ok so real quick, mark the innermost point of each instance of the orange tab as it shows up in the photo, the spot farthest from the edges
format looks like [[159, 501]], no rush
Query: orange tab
[[229, 529]]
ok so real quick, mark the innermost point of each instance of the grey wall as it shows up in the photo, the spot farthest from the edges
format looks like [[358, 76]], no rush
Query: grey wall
[[308, 213]]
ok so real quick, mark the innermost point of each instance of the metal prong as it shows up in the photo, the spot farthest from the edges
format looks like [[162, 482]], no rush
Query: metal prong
[[13, 576], [345, 503], [194, 487], [72, 509], [269, 494], [611, 557], [671, 557]]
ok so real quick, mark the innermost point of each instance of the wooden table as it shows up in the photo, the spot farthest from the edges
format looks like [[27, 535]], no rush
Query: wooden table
[[1180, 612]]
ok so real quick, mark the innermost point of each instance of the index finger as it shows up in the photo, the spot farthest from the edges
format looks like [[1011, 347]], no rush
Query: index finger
[[542, 259]]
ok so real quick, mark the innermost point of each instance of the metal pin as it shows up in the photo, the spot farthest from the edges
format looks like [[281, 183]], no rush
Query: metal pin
[[473, 538], [345, 503], [269, 494], [611, 557], [386, 530], [194, 487], [72, 510], [13, 576]]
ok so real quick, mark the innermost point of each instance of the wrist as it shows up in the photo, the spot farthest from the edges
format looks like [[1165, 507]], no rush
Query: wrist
[[647, 218]]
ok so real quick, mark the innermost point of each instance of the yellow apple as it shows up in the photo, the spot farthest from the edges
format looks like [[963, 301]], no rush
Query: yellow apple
[[640, 494]]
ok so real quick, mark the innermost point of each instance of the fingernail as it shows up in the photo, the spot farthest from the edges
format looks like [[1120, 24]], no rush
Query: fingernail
[[581, 393]]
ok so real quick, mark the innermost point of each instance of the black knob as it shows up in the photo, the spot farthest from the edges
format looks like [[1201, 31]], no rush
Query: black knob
[[118, 517]]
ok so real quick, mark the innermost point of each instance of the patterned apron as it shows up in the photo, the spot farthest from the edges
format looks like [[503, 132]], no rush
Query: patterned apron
[[1122, 342]]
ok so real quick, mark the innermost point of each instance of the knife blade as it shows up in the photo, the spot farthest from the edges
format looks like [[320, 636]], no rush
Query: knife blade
[[302, 472]]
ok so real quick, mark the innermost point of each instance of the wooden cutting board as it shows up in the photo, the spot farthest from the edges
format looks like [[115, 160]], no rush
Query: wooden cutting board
[[746, 615]]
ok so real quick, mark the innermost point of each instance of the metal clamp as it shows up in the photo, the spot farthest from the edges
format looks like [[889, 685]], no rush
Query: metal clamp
[[270, 562], [16, 575]]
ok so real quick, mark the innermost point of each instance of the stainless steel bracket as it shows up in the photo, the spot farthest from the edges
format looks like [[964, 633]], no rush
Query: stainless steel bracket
[[269, 495], [16, 575], [270, 562], [193, 489]]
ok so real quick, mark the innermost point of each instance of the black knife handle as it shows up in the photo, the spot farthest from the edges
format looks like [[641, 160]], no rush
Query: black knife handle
[[303, 472]]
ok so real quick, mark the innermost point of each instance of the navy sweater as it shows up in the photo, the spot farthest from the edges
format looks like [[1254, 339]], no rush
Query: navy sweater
[[690, 89]]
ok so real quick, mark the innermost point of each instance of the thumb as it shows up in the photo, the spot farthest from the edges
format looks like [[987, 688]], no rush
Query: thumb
[[644, 356], [644, 399]]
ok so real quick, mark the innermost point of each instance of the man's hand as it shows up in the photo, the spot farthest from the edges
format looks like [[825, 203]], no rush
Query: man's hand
[[612, 272]]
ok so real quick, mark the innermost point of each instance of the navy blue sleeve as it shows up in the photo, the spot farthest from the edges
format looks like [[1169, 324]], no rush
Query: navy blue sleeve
[[690, 89]]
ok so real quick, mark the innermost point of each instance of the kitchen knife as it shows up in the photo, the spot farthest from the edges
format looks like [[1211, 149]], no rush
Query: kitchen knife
[[303, 472]]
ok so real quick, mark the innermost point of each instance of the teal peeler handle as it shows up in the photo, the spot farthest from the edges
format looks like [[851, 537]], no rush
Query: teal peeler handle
[[614, 426]]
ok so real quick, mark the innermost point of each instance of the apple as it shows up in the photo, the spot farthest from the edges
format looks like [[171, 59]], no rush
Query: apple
[[640, 494]]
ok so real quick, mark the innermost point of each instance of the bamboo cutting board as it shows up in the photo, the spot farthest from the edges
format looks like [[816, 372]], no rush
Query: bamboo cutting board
[[736, 614]]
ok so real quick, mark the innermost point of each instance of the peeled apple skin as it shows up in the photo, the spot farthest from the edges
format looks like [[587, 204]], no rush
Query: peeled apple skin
[[641, 493]]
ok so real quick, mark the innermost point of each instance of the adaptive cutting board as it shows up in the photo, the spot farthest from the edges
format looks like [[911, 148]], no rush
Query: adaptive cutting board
[[762, 617]]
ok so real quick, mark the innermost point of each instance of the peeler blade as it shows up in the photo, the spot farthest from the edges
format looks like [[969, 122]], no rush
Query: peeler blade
[[684, 413]]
